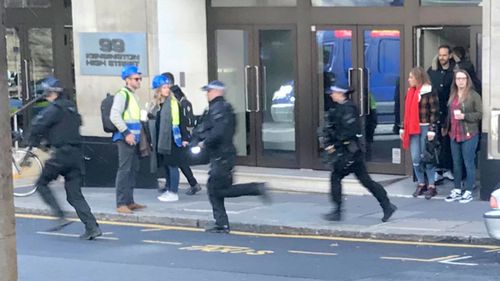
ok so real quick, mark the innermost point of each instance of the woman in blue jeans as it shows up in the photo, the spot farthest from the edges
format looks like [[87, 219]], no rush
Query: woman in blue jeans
[[419, 126], [462, 125]]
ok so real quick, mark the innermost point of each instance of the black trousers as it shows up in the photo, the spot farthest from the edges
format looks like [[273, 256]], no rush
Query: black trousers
[[186, 171], [358, 167], [67, 162], [220, 186]]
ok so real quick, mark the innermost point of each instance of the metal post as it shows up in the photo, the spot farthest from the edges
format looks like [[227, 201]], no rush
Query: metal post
[[8, 254]]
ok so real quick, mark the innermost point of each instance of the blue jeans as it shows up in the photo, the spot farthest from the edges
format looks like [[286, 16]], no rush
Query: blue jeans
[[172, 178], [464, 152], [417, 146]]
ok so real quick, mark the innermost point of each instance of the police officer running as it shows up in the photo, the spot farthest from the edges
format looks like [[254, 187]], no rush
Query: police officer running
[[215, 134], [341, 144], [59, 123]]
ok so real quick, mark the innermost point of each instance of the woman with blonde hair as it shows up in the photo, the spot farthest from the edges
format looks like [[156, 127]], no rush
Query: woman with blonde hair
[[168, 136], [462, 125], [419, 126]]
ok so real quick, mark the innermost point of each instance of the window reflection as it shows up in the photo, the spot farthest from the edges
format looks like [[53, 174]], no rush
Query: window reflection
[[254, 3], [357, 3], [27, 3], [451, 2]]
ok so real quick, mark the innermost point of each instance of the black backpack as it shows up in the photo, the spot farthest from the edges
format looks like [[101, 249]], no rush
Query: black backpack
[[106, 105]]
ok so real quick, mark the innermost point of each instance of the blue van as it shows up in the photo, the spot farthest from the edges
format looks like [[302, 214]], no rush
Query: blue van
[[382, 60]]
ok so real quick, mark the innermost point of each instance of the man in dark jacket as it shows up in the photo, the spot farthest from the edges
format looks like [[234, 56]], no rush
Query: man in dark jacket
[[462, 62], [188, 116], [340, 140], [60, 124], [216, 136], [441, 74]]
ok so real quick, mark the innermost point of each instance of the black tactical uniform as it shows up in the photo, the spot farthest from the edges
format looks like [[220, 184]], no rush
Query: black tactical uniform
[[340, 139], [216, 131], [59, 123]]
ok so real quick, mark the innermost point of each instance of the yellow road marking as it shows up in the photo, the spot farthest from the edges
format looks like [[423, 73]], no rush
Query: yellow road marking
[[312, 253], [162, 242], [420, 260], [271, 235]]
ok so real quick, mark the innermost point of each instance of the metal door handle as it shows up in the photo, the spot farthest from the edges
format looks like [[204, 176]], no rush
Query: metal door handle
[[26, 82], [349, 76], [247, 108], [257, 85], [264, 86], [361, 92]]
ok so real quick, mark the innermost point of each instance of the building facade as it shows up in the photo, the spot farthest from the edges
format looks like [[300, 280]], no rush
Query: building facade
[[276, 56]]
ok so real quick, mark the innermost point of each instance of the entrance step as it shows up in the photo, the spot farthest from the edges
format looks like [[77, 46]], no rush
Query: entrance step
[[301, 180]]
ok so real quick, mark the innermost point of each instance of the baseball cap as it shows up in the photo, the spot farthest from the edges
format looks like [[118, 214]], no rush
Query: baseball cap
[[51, 84], [214, 85], [338, 89]]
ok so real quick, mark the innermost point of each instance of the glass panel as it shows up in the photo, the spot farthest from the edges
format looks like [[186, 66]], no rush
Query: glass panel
[[41, 62], [232, 58], [451, 2], [334, 60], [277, 53], [382, 62], [14, 68], [254, 3], [357, 3], [27, 3]]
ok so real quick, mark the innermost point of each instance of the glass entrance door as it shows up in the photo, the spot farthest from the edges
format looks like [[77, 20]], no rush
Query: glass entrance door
[[258, 66], [369, 60]]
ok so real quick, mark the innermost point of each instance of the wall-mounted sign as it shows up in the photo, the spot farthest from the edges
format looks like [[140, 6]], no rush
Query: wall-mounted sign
[[103, 53]]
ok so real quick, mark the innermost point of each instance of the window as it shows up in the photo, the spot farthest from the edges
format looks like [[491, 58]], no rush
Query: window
[[27, 3], [357, 3], [254, 3], [451, 2]]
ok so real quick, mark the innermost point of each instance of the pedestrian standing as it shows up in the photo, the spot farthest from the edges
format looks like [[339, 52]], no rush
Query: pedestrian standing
[[341, 142], [419, 127], [216, 136], [462, 125], [441, 77], [188, 116], [59, 123], [168, 135], [125, 115]]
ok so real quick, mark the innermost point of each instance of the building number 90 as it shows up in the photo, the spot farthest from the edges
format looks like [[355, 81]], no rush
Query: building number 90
[[112, 45]]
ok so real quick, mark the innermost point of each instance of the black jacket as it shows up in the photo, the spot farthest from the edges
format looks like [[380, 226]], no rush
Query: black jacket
[[342, 125], [469, 67], [441, 80], [59, 123], [217, 128]]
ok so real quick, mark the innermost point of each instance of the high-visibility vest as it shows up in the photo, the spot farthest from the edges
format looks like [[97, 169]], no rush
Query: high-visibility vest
[[132, 114]]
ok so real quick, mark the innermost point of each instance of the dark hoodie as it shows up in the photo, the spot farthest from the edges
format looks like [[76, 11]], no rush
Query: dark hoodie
[[441, 80]]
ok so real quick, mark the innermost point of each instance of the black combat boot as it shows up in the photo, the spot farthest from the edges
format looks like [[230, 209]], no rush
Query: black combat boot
[[218, 229], [91, 234], [335, 215], [389, 211]]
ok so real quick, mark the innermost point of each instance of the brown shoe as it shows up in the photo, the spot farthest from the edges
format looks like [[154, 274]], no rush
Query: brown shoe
[[123, 209], [135, 206], [420, 190], [431, 192]]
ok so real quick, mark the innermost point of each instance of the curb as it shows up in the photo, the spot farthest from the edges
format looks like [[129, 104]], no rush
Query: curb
[[277, 229]]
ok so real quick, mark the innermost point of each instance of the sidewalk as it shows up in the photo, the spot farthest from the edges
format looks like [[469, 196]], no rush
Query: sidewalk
[[297, 213]]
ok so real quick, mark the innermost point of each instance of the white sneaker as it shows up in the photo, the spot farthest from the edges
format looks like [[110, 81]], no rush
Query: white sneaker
[[466, 197], [438, 177], [168, 197], [455, 195], [448, 175]]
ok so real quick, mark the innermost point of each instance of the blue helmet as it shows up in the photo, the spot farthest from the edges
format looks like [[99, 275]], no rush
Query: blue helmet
[[160, 80], [214, 85], [51, 84], [129, 70]]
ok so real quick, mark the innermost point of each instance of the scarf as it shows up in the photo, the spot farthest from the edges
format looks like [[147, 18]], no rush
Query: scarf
[[169, 125], [411, 123]]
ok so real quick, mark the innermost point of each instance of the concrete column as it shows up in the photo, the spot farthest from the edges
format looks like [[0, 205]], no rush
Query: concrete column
[[8, 255]]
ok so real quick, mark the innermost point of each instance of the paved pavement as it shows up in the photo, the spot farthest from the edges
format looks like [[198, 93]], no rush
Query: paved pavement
[[298, 213], [129, 251]]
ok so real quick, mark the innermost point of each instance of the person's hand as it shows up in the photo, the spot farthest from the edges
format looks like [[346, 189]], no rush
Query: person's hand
[[330, 149], [401, 133], [130, 139], [460, 116], [430, 135], [185, 143]]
